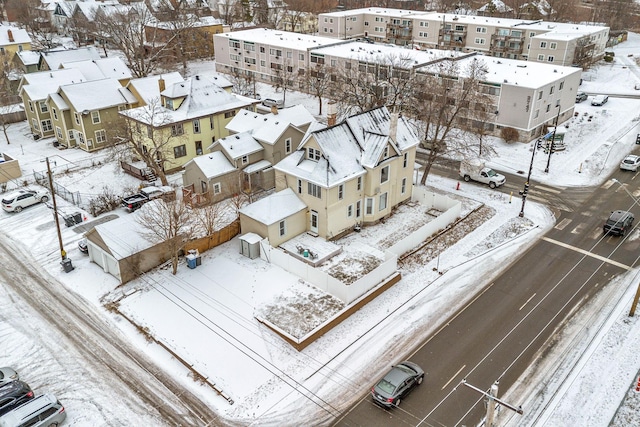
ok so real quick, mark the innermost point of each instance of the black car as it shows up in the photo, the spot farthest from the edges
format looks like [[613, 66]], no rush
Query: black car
[[14, 394], [396, 385], [619, 223]]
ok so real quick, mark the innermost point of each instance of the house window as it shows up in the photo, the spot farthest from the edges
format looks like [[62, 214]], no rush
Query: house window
[[180, 151], [211, 121], [282, 228], [177, 130], [548, 107], [551, 90], [287, 145], [479, 40], [46, 125], [301, 56], [95, 117], [35, 124], [55, 113], [168, 103], [245, 160], [340, 191], [217, 188], [368, 209], [299, 186], [359, 183], [561, 86], [196, 126], [31, 106], [229, 114], [383, 202], [358, 203], [198, 148], [349, 211], [77, 117], [482, 30], [203, 186], [313, 154], [403, 186], [540, 95], [43, 107], [314, 190], [553, 45], [72, 136], [80, 137], [58, 132], [405, 160], [543, 45], [101, 136], [386, 152], [540, 57], [384, 174], [550, 58]]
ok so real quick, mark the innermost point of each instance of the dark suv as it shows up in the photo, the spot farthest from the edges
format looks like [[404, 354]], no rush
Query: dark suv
[[619, 223], [14, 394]]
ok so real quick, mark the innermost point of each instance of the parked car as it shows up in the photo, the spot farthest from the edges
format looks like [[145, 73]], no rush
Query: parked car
[[396, 384], [14, 394], [20, 199], [630, 163], [599, 100], [581, 96], [44, 410], [270, 102], [619, 223], [82, 246], [7, 375]]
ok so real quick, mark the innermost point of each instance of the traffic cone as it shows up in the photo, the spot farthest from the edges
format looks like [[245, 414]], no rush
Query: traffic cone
[[638, 386]]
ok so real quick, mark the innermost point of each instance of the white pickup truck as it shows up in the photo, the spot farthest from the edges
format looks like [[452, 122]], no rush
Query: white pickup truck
[[477, 171]]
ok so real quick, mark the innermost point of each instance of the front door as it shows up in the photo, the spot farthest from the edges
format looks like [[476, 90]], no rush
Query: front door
[[313, 226]]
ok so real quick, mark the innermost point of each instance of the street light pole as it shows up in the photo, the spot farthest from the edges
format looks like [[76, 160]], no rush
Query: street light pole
[[525, 190], [553, 138]]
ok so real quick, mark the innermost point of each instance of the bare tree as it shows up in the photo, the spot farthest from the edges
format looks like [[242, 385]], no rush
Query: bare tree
[[167, 222], [318, 80], [31, 15], [285, 77], [230, 11], [210, 218], [148, 134]]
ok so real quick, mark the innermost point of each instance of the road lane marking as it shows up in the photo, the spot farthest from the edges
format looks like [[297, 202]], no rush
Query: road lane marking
[[547, 189], [582, 251], [578, 229], [562, 224], [453, 377], [527, 302]]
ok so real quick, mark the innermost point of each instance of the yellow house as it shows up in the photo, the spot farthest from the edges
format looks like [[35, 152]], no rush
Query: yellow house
[[189, 116], [13, 40]]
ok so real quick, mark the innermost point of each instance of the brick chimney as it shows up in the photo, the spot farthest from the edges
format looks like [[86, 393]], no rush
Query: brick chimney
[[274, 110], [331, 113], [161, 85], [10, 36]]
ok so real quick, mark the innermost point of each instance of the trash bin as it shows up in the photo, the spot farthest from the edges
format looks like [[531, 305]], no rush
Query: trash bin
[[66, 265], [198, 260], [191, 261], [195, 254], [77, 217]]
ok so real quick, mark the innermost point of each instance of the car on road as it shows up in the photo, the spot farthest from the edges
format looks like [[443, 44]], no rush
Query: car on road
[[44, 410], [20, 199], [7, 375], [618, 223], [630, 163], [581, 96], [270, 102], [396, 384], [14, 394], [599, 100], [82, 246]]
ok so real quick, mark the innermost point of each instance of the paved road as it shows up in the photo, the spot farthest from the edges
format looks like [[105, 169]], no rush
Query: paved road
[[514, 319]]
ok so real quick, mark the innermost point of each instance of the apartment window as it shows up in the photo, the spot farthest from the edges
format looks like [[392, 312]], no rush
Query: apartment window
[[72, 135], [553, 45], [382, 205], [276, 52], [245, 160], [479, 40], [198, 148], [249, 46], [551, 90], [340, 191], [55, 113], [263, 63], [358, 203], [81, 137], [314, 190], [561, 86], [58, 132], [287, 145], [384, 174], [217, 188], [46, 125], [101, 136], [481, 30], [282, 228], [211, 121], [539, 94], [95, 117], [262, 49], [196, 126], [535, 116], [368, 208], [550, 58], [317, 59], [540, 57], [359, 183], [543, 45], [548, 107], [405, 160], [349, 211], [313, 154], [77, 117], [532, 35], [234, 44], [43, 107], [177, 130], [403, 186], [229, 114], [424, 24], [180, 151], [31, 106], [299, 186], [301, 56], [423, 34]]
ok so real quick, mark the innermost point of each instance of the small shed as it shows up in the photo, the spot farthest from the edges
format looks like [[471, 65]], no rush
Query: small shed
[[250, 245]]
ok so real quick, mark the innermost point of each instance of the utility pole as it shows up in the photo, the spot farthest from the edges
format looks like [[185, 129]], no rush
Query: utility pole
[[525, 190], [553, 138], [492, 399], [66, 263]]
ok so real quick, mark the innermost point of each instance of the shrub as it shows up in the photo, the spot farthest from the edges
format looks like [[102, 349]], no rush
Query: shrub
[[509, 134], [104, 202]]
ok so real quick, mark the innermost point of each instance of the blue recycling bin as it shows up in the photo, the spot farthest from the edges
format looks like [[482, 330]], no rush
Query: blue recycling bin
[[191, 261]]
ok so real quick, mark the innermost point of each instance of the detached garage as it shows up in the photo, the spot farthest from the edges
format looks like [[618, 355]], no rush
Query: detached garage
[[119, 248]]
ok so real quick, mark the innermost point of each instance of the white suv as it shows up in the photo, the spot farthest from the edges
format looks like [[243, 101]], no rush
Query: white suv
[[18, 200]]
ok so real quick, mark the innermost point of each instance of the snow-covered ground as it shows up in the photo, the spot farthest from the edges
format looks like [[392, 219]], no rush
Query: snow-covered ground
[[207, 314]]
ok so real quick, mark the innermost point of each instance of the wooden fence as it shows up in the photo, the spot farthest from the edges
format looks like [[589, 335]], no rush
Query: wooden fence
[[219, 237]]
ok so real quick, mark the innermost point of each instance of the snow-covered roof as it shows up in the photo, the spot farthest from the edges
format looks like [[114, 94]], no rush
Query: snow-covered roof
[[95, 69], [394, 13], [96, 94], [278, 38], [577, 30], [54, 58], [239, 145], [39, 85], [58, 101], [348, 148], [212, 164], [148, 87], [269, 127], [28, 57], [274, 207], [122, 236], [18, 35], [529, 74], [257, 166]]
